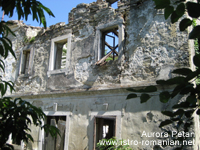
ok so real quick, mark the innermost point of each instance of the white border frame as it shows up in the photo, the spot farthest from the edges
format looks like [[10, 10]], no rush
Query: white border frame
[[52, 57], [32, 51], [94, 114], [98, 37], [57, 113]]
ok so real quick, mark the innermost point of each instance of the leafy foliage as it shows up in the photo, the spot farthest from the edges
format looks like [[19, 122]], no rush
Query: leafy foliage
[[16, 115], [112, 144], [184, 81], [25, 8]]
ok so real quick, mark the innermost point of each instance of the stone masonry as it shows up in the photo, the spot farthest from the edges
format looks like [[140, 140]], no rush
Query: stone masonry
[[84, 93]]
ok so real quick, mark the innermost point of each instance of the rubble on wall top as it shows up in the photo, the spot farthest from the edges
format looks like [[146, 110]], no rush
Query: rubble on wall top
[[15, 24], [18, 23], [57, 25], [91, 11]]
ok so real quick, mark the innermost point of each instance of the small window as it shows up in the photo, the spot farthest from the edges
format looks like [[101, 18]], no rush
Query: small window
[[59, 54], [56, 143], [113, 3], [25, 63], [110, 40], [105, 128], [110, 44]]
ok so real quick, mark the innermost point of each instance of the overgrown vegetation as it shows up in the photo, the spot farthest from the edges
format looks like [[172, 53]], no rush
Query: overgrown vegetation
[[113, 144], [16, 114], [184, 80], [28, 40]]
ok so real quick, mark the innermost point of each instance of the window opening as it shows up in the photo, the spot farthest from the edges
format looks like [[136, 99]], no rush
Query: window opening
[[61, 54], [25, 63], [56, 143], [113, 3], [105, 128], [109, 50]]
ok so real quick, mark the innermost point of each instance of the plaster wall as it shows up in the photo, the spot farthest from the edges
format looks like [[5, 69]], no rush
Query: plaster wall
[[151, 48], [134, 117]]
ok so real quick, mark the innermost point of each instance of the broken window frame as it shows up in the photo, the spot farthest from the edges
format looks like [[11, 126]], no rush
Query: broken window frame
[[99, 59], [112, 48], [53, 53], [67, 129], [117, 114], [26, 62]]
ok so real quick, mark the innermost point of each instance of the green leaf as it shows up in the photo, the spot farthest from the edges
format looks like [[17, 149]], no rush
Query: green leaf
[[34, 12], [178, 13], [10, 147], [187, 89], [180, 10], [196, 60], [193, 9], [29, 137], [131, 90], [177, 89], [144, 98], [179, 1], [42, 17], [198, 112], [160, 4], [191, 99], [150, 89], [20, 12], [131, 96], [161, 82], [2, 65], [164, 123], [147, 89], [179, 112], [189, 113], [174, 17], [181, 105], [192, 75], [168, 11], [184, 24], [164, 96], [47, 10], [182, 71], [168, 113], [176, 80], [195, 33]]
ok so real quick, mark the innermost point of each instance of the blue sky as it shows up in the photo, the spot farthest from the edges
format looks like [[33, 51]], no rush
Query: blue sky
[[60, 8]]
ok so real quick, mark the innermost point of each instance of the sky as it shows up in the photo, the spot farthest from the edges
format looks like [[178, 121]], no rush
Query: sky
[[60, 9]]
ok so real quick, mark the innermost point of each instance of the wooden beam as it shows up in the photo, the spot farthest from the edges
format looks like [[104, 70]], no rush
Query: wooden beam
[[111, 48], [103, 59], [116, 33]]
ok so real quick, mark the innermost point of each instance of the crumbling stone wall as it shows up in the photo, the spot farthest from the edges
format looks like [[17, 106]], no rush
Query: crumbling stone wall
[[151, 48]]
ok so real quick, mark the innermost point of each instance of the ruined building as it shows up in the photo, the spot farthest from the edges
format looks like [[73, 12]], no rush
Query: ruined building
[[78, 72]]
